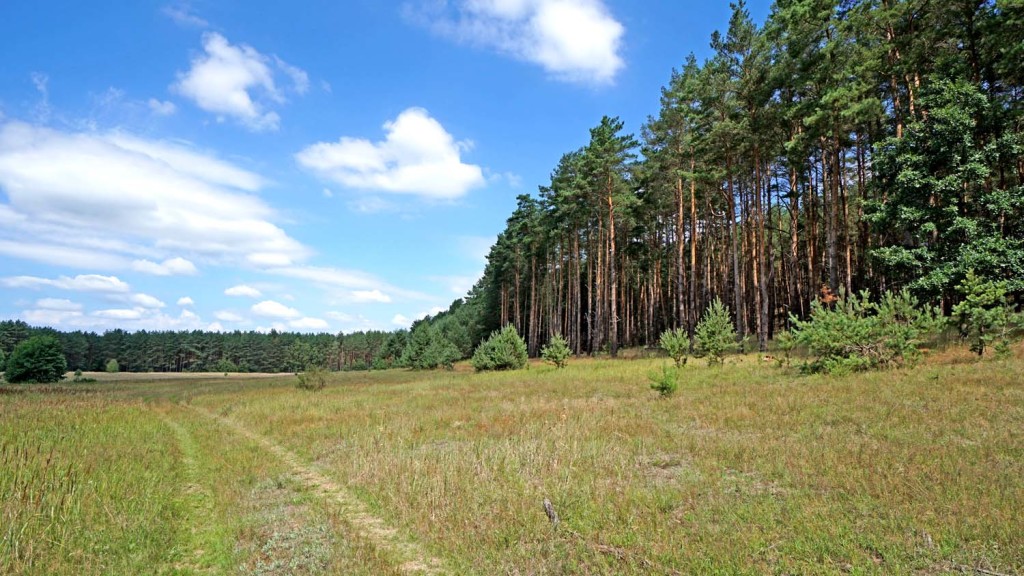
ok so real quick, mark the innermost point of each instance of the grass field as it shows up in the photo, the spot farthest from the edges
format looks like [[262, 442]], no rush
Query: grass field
[[747, 469]]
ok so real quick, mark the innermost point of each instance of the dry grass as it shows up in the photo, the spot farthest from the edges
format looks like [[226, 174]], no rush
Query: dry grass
[[747, 469]]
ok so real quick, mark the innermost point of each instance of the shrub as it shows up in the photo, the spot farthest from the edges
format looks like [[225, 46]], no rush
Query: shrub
[[225, 365], [38, 359], [858, 334], [677, 344], [715, 334], [427, 349], [503, 350], [665, 383], [3, 360], [79, 379], [112, 366], [312, 380], [556, 352], [983, 316]]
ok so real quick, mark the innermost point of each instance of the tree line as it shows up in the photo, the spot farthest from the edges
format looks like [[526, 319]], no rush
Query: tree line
[[198, 351], [845, 145]]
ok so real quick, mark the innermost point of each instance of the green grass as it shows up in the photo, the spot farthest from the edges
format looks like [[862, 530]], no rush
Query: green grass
[[746, 469]]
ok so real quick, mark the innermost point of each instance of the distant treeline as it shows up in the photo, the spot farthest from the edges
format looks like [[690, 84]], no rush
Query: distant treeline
[[199, 351]]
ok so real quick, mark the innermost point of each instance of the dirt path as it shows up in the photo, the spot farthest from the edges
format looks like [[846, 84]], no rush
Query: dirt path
[[198, 497], [409, 556]]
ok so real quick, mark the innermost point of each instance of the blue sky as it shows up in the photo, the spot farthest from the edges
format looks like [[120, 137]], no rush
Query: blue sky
[[307, 166]]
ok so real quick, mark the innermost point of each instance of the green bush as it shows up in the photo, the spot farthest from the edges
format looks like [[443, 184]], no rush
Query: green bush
[[665, 383], [503, 350], [112, 366], [313, 380], [858, 334], [428, 349], [677, 344], [983, 316], [225, 365], [556, 352], [38, 359], [715, 334]]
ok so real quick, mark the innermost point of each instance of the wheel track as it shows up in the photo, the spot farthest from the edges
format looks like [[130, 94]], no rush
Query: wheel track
[[410, 556]]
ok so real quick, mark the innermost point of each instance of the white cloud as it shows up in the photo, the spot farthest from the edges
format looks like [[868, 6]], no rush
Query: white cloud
[[120, 314], [182, 15], [299, 77], [42, 109], [53, 318], [418, 156], [61, 314], [161, 108], [215, 327], [243, 291], [146, 301], [573, 40], [370, 296], [81, 283], [344, 284], [404, 322], [226, 316], [56, 255], [56, 304], [237, 82], [279, 326], [271, 309], [153, 197], [169, 267], [186, 301], [309, 324]]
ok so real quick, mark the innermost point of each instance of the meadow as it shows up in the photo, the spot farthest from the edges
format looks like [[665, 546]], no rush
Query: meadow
[[747, 469]]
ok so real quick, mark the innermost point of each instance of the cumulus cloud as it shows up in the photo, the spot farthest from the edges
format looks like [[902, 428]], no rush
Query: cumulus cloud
[[243, 291], [226, 316], [370, 296], [81, 283], [61, 304], [308, 324], [145, 301], [186, 301], [153, 197], [237, 81], [402, 321], [417, 156], [67, 315], [169, 267], [573, 40], [272, 309], [120, 314]]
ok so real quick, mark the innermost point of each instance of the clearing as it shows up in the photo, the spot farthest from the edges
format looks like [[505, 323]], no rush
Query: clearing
[[747, 469]]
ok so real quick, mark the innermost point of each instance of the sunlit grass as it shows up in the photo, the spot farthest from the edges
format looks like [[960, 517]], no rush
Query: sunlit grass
[[746, 469]]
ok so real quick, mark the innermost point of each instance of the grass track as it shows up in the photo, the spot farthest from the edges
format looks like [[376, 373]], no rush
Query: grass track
[[746, 470]]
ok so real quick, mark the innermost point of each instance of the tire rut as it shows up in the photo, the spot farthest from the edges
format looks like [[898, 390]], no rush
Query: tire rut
[[410, 557]]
